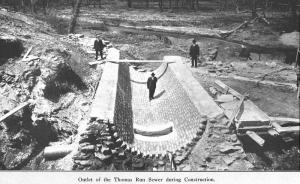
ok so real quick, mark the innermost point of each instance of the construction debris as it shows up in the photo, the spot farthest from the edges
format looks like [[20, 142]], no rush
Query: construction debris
[[219, 67]]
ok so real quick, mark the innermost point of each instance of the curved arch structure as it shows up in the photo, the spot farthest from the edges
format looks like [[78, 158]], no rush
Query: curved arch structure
[[168, 122], [142, 77]]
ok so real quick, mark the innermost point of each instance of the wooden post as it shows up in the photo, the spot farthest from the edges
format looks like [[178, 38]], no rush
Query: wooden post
[[260, 141]]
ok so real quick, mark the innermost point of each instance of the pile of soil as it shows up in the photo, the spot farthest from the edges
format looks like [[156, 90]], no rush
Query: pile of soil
[[51, 77]]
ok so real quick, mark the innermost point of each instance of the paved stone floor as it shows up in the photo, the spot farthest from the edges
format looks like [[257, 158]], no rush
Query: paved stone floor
[[171, 104]]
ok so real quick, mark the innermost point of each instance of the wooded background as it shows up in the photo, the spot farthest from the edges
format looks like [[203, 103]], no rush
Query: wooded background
[[258, 8]]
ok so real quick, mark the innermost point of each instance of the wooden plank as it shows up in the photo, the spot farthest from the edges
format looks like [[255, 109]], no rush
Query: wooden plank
[[274, 71], [96, 63], [236, 111], [21, 106], [255, 128], [224, 98], [128, 61], [229, 89], [260, 141], [273, 132], [291, 129], [284, 119], [138, 61], [251, 116], [27, 53]]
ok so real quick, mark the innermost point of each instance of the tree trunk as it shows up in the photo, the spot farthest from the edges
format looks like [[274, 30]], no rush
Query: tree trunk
[[129, 3], [253, 8], [74, 16], [161, 5], [293, 14]]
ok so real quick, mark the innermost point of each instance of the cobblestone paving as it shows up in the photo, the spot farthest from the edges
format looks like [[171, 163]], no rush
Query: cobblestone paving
[[171, 104]]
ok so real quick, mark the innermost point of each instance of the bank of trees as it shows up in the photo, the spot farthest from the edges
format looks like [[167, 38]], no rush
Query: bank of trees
[[256, 7], [238, 5]]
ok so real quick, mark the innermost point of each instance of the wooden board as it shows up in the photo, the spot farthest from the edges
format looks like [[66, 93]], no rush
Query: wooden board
[[260, 141], [249, 114], [127, 61], [27, 53], [224, 98], [291, 129], [284, 119], [227, 88], [21, 106]]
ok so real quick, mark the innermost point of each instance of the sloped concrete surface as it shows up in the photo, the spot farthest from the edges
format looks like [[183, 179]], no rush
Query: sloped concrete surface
[[179, 100]]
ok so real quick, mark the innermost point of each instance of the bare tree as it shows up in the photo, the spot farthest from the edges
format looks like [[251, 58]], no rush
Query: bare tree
[[74, 16], [160, 4], [253, 8], [293, 14], [129, 3], [33, 4]]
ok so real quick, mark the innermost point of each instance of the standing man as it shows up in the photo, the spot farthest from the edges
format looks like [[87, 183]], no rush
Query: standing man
[[151, 85], [98, 46], [297, 67], [194, 53]]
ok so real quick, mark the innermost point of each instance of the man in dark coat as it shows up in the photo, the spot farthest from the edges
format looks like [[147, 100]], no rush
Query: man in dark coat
[[99, 46], [151, 85], [194, 53]]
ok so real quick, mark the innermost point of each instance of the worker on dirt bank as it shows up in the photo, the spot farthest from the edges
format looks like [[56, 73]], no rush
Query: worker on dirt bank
[[245, 53], [99, 46], [151, 85], [194, 53], [297, 68]]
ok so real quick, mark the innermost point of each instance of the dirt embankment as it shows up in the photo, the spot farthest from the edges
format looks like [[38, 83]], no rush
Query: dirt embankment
[[55, 78]]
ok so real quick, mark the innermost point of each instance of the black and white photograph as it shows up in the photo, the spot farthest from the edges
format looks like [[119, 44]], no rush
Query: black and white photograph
[[149, 86]]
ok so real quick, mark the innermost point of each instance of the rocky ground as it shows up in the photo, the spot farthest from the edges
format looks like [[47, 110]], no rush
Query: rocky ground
[[56, 75], [53, 76]]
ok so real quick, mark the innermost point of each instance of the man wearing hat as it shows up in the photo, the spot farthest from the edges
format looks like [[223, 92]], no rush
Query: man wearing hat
[[98, 46], [194, 53], [151, 85]]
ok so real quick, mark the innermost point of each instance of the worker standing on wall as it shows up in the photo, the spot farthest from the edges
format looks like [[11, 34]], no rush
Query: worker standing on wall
[[194, 53], [151, 85], [297, 67], [99, 46]]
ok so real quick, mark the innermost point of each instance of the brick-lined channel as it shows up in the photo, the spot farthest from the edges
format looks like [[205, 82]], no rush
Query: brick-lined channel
[[121, 104]]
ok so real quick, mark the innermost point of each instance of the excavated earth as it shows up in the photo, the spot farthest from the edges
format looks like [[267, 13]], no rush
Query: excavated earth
[[53, 76]]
